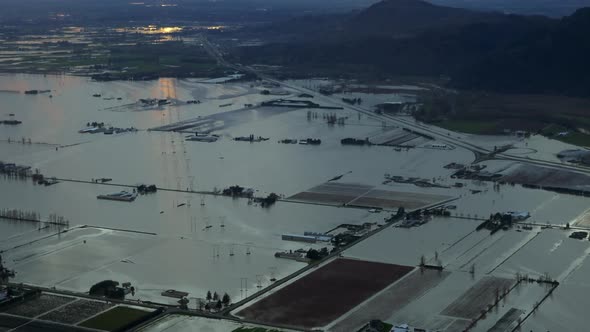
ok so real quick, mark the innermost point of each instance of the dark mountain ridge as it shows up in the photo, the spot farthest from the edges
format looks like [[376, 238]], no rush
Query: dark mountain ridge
[[508, 53], [401, 17], [551, 8]]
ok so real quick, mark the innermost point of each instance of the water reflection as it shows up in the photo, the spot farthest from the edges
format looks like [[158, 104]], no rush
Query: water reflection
[[166, 88]]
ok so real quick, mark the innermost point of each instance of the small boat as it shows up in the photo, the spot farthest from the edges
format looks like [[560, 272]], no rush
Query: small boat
[[123, 196]]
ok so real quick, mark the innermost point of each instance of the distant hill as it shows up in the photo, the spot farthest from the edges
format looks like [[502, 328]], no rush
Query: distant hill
[[386, 18], [402, 17], [508, 53], [552, 8]]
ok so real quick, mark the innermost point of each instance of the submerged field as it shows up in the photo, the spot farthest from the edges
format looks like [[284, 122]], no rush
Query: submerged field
[[442, 274]]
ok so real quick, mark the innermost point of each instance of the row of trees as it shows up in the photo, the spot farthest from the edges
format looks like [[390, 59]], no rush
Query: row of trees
[[315, 255], [16, 214], [216, 302], [269, 200]]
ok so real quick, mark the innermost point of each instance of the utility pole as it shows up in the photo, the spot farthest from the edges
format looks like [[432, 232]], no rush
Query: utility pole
[[244, 287]]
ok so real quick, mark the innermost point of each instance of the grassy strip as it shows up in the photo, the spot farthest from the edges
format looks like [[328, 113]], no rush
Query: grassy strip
[[386, 327], [254, 329], [575, 138], [479, 127], [115, 318]]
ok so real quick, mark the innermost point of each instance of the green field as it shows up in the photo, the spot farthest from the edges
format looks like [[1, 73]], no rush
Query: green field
[[573, 137], [254, 329], [479, 127], [115, 319], [386, 327], [486, 113]]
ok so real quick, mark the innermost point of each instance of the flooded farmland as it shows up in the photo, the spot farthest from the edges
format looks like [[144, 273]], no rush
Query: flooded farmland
[[190, 237]]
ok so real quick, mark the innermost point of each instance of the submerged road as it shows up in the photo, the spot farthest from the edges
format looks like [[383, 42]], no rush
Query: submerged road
[[213, 193]]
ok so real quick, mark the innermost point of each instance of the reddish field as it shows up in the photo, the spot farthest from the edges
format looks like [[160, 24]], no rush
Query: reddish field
[[325, 294], [392, 300]]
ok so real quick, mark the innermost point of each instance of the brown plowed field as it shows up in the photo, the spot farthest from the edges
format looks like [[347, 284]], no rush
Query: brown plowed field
[[325, 294]]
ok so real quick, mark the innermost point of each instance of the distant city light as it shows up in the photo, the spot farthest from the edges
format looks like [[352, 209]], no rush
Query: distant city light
[[151, 30]]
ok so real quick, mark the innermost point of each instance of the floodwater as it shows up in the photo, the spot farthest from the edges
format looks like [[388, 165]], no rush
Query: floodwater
[[191, 250], [82, 257], [545, 207], [165, 159], [202, 243], [565, 254], [534, 253], [185, 254], [427, 311], [406, 246]]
